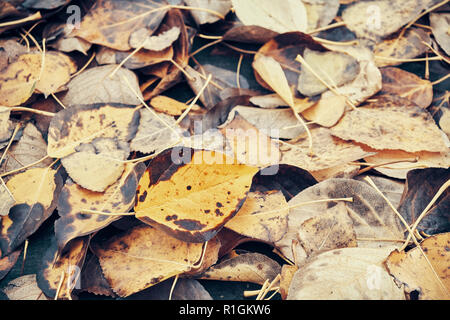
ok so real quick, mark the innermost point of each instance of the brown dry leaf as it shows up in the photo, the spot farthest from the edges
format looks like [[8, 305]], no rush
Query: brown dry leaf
[[320, 13], [268, 101], [392, 123], [11, 49], [68, 265], [155, 132], [64, 40], [202, 17], [111, 23], [92, 279], [25, 75], [400, 169], [118, 198], [391, 188], [345, 274], [346, 171], [170, 106], [328, 151], [377, 19], [36, 192], [336, 68], [143, 38], [6, 126], [137, 259], [440, 24], [7, 200], [424, 270], [8, 262], [97, 165], [287, 273], [141, 59], [327, 111], [30, 148], [248, 145], [392, 51], [246, 267], [96, 86], [281, 17], [407, 85], [263, 216], [373, 220], [82, 124], [328, 231], [24, 288], [192, 209], [276, 123], [271, 72]]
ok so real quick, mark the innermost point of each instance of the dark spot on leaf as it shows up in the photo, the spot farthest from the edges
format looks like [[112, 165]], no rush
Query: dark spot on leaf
[[189, 224]]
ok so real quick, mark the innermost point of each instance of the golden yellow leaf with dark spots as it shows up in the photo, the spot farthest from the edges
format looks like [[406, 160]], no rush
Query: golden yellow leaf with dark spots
[[192, 194]]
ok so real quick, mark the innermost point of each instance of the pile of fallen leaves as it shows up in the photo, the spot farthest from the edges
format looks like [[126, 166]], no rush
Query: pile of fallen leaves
[[346, 177]]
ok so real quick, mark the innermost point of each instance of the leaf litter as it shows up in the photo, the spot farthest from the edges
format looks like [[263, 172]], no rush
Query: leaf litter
[[141, 154]]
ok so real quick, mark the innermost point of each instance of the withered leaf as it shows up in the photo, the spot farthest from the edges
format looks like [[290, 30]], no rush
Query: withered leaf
[[391, 123], [111, 23], [349, 273], [391, 188], [74, 126], [263, 216], [327, 111], [407, 85], [185, 289], [7, 200], [170, 106], [137, 259], [24, 288], [424, 270], [440, 23], [36, 192], [30, 148], [92, 279], [372, 217], [336, 68], [201, 17], [97, 165], [96, 86], [143, 38], [67, 266], [192, 209], [118, 198], [141, 59], [6, 126], [392, 51], [246, 267], [328, 151], [25, 75], [286, 16], [7, 262], [421, 186], [320, 13], [385, 17]]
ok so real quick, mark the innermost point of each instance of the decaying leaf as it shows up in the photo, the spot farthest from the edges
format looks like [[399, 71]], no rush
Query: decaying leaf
[[111, 23], [7, 262], [92, 279], [379, 18], [290, 15], [407, 85], [396, 168], [96, 86], [143, 38], [327, 111], [155, 132], [118, 198], [391, 188], [412, 44], [170, 106], [192, 209], [65, 266], [336, 68], [29, 149], [320, 12], [328, 151], [420, 188], [346, 171], [7, 200], [391, 123], [33, 71], [245, 267], [349, 273], [138, 259], [424, 270], [36, 192], [373, 220], [440, 23], [201, 17], [97, 165], [287, 273], [138, 60], [263, 216], [6, 126], [24, 288], [74, 126]]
